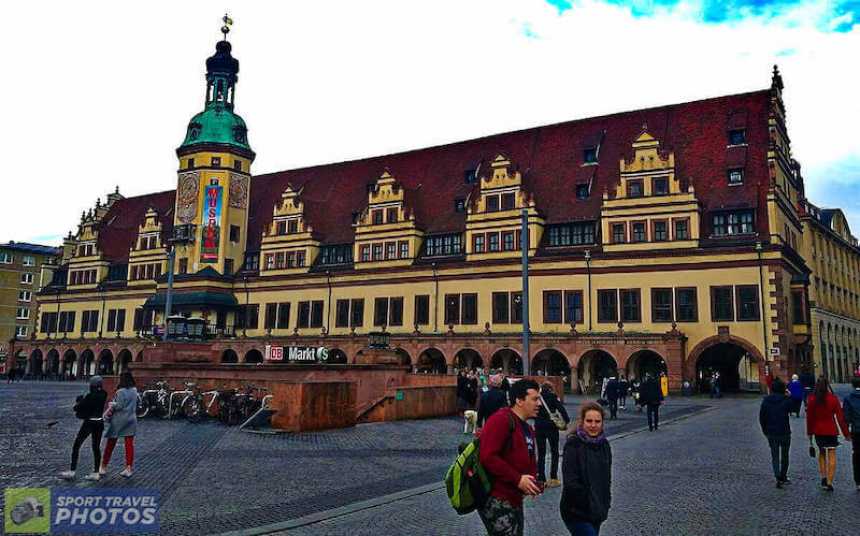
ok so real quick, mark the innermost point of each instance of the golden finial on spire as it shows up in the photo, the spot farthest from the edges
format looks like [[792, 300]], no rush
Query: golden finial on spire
[[227, 23]]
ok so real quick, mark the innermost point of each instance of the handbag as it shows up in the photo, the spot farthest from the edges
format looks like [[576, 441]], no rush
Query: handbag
[[554, 416]]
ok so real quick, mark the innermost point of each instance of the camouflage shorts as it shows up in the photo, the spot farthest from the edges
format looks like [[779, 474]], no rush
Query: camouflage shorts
[[501, 518]]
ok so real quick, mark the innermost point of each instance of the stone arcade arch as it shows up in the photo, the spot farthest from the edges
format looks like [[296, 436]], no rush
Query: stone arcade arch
[[739, 363], [70, 359], [123, 360], [550, 362], [508, 360], [468, 359], [104, 366], [403, 355], [593, 367], [36, 362], [53, 365], [336, 356], [253, 356], [645, 362], [432, 361], [229, 356]]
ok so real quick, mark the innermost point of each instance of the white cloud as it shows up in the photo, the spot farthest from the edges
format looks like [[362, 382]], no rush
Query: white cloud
[[99, 93]]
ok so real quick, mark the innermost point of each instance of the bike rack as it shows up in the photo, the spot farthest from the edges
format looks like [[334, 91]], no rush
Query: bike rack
[[214, 398], [170, 411], [259, 414]]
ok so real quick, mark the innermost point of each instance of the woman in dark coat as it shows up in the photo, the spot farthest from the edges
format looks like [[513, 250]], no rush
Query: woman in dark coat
[[547, 431], [587, 469]]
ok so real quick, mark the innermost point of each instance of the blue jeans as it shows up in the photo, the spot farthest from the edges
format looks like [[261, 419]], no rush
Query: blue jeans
[[582, 528], [779, 448]]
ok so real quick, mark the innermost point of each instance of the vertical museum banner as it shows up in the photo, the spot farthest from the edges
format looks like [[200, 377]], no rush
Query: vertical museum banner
[[211, 227]]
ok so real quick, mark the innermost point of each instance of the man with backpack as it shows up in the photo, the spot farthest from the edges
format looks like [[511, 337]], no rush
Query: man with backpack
[[508, 455]]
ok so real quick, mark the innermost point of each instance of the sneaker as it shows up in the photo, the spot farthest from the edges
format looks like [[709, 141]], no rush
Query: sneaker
[[779, 484], [93, 476], [823, 483], [103, 470], [126, 472], [554, 483], [67, 475], [829, 487], [786, 480]]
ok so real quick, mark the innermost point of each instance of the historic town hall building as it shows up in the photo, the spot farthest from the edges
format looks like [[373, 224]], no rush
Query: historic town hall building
[[659, 239]]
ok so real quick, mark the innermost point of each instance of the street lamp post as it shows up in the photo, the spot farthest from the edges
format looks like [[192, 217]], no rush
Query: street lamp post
[[168, 301], [247, 300]]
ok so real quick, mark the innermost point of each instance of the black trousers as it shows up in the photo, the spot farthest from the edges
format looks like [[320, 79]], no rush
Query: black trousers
[[94, 428], [855, 455], [613, 408], [653, 416], [543, 435]]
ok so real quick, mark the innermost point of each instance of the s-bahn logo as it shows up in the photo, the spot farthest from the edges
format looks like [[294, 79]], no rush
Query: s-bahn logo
[[296, 354]]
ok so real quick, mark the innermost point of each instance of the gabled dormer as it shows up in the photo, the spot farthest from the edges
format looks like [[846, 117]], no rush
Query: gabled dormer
[[386, 233], [288, 244], [494, 218], [649, 208], [86, 267], [147, 258]]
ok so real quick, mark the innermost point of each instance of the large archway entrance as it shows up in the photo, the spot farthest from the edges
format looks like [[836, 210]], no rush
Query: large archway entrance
[[53, 362], [645, 362], [468, 359], [432, 361], [105, 364], [253, 356], [70, 358], [123, 360], [594, 366], [36, 363], [738, 368], [336, 356], [508, 361]]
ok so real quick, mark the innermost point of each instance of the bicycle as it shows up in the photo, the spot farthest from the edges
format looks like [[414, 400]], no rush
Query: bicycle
[[229, 411], [154, 401]]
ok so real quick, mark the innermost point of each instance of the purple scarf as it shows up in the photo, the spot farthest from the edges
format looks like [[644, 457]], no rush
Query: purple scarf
[[583, 435]]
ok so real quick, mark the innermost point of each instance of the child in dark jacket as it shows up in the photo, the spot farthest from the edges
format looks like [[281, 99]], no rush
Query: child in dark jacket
[[89, 408], [773, 418]]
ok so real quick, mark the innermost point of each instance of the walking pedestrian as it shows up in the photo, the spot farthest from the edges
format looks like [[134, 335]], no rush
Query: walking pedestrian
[[547, 431], [851, 405], [823, 412], [611, 393], [715, 385], [494, 399], [462, 392], [651, 397], [664, 384], [10, 375], [807, 379], [623, 389], [121, 419], [507, 453], [796, 390], [587, 469], [773, 418], [89, 408]]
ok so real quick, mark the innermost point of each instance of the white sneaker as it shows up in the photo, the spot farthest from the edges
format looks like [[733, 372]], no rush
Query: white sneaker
[[93, 476], [68, 475], [127, 472], [102, 470]]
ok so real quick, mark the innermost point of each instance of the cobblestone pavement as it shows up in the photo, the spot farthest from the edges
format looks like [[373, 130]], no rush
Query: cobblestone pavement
[[707, 469]]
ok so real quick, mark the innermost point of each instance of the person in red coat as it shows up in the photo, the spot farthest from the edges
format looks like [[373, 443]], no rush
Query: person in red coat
[[823, 412], [507, 453]]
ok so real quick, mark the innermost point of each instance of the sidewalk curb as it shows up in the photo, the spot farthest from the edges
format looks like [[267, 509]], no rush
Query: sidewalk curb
[[351, 508]]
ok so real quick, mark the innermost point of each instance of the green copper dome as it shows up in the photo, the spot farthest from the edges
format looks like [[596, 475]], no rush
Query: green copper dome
[[218, 123]]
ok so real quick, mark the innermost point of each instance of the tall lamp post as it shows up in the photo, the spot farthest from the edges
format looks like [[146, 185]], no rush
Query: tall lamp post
[[168, 301]]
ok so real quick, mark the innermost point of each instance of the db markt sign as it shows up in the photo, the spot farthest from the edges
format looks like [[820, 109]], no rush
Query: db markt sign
[[296, 354]]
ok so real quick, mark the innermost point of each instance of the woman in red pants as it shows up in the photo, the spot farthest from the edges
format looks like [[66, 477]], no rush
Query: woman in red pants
[[121, 420]]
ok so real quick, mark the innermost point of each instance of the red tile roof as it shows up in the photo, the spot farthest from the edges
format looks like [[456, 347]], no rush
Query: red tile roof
[[549, 157], [118, 229]]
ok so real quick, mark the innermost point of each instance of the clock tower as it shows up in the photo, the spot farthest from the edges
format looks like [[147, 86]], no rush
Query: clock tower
[[214, 183]]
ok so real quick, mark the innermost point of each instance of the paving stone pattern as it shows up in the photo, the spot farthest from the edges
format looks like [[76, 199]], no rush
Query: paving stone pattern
[[708, 470]]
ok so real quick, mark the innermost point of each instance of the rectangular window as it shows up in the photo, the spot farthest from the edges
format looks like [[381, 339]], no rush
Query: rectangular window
[[722, 304], [237, 165], [28, 260], [357, 313], [607, 305], [582, 191], [634, 188], [341, 316], [661, 231], [183, 265], [492, 203], [380, 312], [365, 253], [720, 228], [271, 315], [619, 233], [67, 321], [304, 315], [686, 305], [316, 314], [235, 233], [589, 156], [681, 230], [573, 311], [422, 310], [111, 322], [377, 216], [22, 313], [631, 310], [137, 323], [516, 307], [6, 258], [736, 176], [737, 136], [470, 308], [216, 161], [478, 243], [377, 252], [281, 227], [20, 331], [797, 310], [292, 226], [49, 323], [493, 241], [661, 186], [391, 215], [452, 309], [395, 313], [252, 316], [508, 241], [189, 163], [501, 305], [24, 295], [390, 250], [638, 231], [508, 201], [470, 176], [27, 278], [119, 324], [661, 305], [747, 299], [552, 307], [284, 315], [403, 245], [459, 205], [228, 267]]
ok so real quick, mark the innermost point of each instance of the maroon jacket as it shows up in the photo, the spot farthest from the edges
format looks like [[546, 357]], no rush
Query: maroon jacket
[[505, 455]]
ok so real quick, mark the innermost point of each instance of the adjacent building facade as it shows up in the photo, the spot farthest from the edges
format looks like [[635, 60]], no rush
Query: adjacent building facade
[[659, 240], [24, 270]]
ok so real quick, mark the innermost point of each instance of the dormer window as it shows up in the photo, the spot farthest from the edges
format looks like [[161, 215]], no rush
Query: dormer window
[[459, 205], [508, 201], [634, 188], [292, 226], [391, 215], [189, 163], [736, 176], [216, 161], [492, 203], [661, 186], [589, 156], [582, 191], [376, 216], [371, 187], [237, 165], [470, 176], [737, 136]]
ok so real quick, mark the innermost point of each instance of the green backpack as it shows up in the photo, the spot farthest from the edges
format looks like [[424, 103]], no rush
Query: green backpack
[[467, 482]]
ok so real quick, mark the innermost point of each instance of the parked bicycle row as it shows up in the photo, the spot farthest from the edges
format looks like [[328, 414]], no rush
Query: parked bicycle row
[[229, 406]]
